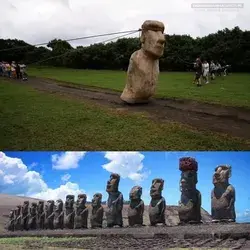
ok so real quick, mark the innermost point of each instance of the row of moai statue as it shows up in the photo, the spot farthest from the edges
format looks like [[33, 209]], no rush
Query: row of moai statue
[[75, 214]]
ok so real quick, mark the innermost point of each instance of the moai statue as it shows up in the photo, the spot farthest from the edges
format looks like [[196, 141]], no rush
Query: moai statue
[[18, 218], [69, 212], [49, 215], [114, 203], [40, 215], [10, 226], [143, 69], [81, 212], [190, 202], [97, 211], [157, 204], [32, 222], [136, 207], [58, 213], [25, 216], [223, 196]]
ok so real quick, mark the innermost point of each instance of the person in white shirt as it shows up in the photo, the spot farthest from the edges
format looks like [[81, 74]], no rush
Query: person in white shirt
[[212, 70], [205, 67]]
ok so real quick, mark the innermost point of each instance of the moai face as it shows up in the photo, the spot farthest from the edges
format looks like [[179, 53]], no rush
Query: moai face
[[81, 200], [152, 38], [221, 175], [49, 206], [156, 188], [69, 203], [97, 200], [25, 208], [40, 207], [33, 208], [135, 193], [113, 183], [59, 205], [188, 181]]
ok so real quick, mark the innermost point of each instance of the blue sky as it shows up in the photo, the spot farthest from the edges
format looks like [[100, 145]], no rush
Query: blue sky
[[87, 172]]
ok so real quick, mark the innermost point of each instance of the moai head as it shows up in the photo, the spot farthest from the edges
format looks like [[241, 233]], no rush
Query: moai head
[[25, 207], [156, 188], [113, 183], [40, 207], [33, 208], [135, 193], [97, 200], [70, 200], [152, 38], [222, 174], [81, 200], [189, 168], [49, 206], [59, 205], [18, 210]]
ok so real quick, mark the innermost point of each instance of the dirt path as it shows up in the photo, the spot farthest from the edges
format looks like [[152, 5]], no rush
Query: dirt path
[[203, 116]]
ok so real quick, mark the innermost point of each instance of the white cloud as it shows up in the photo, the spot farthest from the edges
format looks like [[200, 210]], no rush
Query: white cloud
[[126, 164], [65, 177], [16, 179], [76, 18], [67, 160]]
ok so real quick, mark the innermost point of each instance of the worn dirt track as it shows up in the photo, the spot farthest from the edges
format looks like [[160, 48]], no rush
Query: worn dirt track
[[234, 121]]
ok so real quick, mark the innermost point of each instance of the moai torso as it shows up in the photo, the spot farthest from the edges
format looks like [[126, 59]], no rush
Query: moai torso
[[49, 215], [114, 202], [58, 215], [157, 204], [136, 207], [81, 212], [10, 226], [25, 216], [18, 218], [223, 195], [190, 202], [33, 217], [143, 70], [40, 215], [69, 212], [97, 211]]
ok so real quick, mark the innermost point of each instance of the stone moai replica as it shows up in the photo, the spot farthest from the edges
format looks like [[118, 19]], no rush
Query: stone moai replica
[[97, 211], [114, 203], [58, 215], [25, 216], [157, 204], [143, 69], [10, 226], [18, 218], [40, 215], [190, 202], [81, 212], [136, 207], [49, 208], [69, 212], [223, 196], [32, 221]]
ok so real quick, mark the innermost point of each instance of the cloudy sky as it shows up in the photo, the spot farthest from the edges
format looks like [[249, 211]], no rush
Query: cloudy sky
[[37, 21], [52, 175]]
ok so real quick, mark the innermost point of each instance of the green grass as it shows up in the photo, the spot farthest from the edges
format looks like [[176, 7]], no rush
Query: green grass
[[233, 90], [31, 120]]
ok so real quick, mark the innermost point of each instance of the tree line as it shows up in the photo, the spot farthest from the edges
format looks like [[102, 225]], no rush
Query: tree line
[[226, 46]]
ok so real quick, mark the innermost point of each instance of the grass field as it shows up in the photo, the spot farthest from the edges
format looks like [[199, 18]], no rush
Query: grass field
[[31, 120], [233, 90]]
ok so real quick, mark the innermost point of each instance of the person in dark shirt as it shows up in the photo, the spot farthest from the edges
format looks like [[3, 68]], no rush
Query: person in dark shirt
[[18, 71], [198, 72]]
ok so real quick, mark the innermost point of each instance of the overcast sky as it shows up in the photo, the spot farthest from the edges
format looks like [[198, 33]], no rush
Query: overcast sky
[[37, 21]]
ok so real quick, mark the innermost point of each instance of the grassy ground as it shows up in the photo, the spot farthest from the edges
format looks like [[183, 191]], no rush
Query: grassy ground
[[31, 120], [233, 90]]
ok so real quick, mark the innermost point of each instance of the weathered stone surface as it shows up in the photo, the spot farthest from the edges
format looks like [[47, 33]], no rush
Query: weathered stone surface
[[143, 70], [40, 215], [136, 207], [190, 202], [49, 208], [114, 203], [32, 222], [157, 204], [58, 215], [10, 226], [81, 212], [223, 195], [18, 218], [25, 216], [69, 212], [97, 211]]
